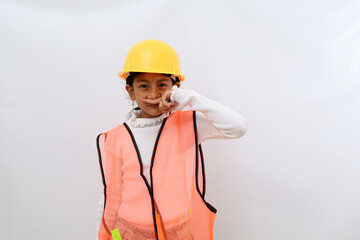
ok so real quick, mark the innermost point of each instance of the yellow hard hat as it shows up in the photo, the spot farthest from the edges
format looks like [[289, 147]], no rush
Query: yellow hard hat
[[152, 56]]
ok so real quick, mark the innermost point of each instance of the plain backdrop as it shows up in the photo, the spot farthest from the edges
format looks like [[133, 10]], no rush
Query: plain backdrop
[[292, 68]]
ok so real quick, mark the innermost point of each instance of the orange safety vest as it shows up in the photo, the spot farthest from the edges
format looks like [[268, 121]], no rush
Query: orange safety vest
[[172, 206]]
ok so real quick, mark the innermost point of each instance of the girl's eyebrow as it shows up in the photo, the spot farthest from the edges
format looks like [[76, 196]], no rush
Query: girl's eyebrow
[[142, 80], [164, 79]]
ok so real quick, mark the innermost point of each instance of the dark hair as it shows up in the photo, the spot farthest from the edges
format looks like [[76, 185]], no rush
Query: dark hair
[[132, 75]]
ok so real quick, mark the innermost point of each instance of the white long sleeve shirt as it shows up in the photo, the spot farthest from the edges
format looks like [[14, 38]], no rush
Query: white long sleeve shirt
[[213, 120]]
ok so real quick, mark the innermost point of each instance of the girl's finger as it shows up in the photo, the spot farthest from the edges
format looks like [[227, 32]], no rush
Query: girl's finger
[[164, 102], [151, 101], [164, 98], [174, 104], [167, 95], [167, 105], [164, 108]]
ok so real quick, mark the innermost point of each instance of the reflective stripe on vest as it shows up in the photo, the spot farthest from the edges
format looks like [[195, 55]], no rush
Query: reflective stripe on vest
[[172, 205]]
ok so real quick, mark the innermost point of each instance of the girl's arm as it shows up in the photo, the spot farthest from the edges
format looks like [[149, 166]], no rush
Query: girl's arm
[[214, 120], [100, 211]]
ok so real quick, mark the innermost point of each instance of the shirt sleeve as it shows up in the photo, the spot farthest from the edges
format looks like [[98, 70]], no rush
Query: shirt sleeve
[[214, 120], [100, 211]]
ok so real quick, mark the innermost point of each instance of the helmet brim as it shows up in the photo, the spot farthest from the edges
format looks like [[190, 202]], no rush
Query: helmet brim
[[125, 74]]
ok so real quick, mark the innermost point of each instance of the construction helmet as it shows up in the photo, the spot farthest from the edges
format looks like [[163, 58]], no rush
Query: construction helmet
[[152, 56]]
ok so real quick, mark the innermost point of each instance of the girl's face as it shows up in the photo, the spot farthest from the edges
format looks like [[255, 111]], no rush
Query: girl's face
[[149, 86]]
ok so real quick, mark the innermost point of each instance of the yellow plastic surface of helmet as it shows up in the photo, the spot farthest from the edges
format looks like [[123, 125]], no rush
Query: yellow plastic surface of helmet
[[152, 56]]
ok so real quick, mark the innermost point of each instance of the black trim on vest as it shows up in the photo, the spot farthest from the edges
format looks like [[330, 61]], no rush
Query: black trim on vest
[[150, 188], [101, 166], [102, 174], [203, 170], [198, 146]]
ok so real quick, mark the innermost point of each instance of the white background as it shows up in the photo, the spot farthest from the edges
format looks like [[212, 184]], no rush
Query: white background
[[292, 68]]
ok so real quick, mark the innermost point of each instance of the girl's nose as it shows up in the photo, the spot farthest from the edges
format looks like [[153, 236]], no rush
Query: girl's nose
[[154, 93]]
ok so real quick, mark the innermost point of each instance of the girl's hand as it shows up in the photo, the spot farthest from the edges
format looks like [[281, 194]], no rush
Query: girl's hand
[[164, 102]]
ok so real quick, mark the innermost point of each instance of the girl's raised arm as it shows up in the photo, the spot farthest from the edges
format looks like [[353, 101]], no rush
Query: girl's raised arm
[[214, 120]]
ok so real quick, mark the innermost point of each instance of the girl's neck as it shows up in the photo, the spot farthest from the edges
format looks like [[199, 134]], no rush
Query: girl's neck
[[148, 116], [137, 121]]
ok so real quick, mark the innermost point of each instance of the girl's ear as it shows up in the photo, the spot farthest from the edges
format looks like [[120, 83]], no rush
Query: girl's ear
[[130, 90]]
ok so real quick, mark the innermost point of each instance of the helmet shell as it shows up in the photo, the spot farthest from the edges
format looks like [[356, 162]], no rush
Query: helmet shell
[[152, 56]]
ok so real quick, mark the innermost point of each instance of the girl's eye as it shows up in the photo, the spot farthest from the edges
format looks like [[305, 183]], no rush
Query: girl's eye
[[143, 86], [163, 85]]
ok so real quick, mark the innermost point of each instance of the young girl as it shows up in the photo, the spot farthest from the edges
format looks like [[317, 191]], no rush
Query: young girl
[[152, 165]]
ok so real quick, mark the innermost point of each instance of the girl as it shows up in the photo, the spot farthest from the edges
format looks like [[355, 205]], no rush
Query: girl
[[152, 165]]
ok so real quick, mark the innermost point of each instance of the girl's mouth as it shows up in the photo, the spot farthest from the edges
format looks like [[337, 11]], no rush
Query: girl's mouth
[[154, 105]]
